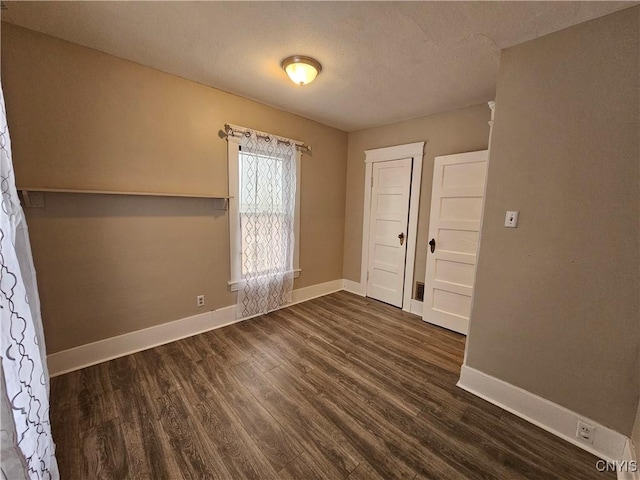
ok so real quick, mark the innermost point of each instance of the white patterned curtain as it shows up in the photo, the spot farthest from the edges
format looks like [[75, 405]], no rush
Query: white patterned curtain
[[267, 191], [27, 448]]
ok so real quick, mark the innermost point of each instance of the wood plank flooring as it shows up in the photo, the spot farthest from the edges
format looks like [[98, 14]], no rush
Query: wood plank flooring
[[340, 387]]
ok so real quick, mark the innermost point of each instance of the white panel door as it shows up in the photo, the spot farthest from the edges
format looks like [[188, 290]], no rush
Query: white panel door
[[390, 193], [454, 229]]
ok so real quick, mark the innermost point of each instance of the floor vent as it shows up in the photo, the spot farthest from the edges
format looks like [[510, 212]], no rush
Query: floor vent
[[420, 291]]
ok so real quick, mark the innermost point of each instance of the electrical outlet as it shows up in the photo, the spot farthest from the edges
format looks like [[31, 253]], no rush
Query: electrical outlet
[[200, 300], [585, 432]]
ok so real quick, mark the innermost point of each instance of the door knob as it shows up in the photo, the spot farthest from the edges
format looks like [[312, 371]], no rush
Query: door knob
[[432, 243], [401, 237]]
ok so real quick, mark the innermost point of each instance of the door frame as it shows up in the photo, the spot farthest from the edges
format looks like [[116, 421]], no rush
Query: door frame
[[415, 151]]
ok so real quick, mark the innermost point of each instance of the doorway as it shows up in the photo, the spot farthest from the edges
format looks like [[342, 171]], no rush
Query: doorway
[[392, 195]]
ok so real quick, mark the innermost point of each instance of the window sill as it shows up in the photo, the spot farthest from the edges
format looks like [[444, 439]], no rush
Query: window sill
[[236, 285]]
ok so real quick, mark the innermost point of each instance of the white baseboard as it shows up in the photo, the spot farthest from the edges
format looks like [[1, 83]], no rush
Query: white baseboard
[[355, 287], [114, 347], [128, 343], [562, 422], [629, 468], [315, 291]]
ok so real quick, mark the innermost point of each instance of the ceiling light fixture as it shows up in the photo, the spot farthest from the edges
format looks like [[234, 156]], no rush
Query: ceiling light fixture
[[301, 70]]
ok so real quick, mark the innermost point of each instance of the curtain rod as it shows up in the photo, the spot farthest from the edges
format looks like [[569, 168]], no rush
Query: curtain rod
[[236, 131]]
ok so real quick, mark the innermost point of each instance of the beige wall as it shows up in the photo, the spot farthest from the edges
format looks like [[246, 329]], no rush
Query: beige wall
[[108, 265], [556, 303], [463, 130]]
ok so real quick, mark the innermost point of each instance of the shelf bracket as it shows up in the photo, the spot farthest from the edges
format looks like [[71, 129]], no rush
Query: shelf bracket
[[32, 199]]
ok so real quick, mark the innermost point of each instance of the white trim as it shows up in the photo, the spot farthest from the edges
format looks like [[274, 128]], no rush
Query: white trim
[[416, 307], [233, 148], [396, 152], [355, 287], [562, 422], [314, 291], [412, 237], [492, 106], [366, 223], [128, 343], [114, 347], [629, 457], [386, 154], [296, 218]]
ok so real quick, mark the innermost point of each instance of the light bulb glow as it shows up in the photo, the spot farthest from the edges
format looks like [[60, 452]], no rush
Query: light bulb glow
[[301, 73], [301, 70]]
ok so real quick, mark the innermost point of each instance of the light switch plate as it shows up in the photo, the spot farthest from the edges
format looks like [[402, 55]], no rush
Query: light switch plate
[[511, 219]]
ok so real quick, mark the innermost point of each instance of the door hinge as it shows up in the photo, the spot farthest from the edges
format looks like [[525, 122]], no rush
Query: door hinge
[[367, 276], [372, 181]]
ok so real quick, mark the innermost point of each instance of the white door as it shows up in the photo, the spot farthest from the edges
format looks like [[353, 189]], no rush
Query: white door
[[390, 191], [454, 229]]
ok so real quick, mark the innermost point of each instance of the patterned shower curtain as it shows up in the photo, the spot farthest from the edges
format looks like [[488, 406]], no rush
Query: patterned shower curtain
[[267, 191], [27, 448]]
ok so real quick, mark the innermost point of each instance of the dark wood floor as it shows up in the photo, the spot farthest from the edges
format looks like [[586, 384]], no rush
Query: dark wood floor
[[337, 387]]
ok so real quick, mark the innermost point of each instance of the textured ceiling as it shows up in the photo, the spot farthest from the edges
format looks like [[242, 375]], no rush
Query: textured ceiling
[[382, 61]]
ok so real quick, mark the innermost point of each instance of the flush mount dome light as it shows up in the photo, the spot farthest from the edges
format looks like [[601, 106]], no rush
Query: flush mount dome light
[[301, 69]]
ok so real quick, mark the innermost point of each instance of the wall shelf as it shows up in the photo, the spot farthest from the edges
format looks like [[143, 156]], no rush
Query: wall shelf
[[113, 192], [37, 201]]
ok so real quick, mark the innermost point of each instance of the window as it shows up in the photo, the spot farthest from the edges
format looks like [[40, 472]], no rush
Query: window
[[254, 207], [258, 173]]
